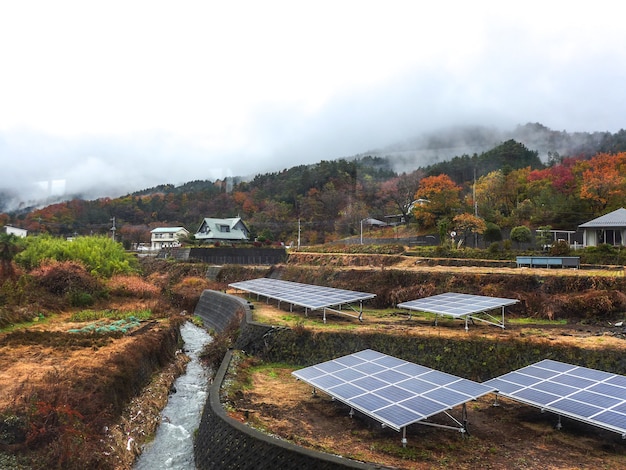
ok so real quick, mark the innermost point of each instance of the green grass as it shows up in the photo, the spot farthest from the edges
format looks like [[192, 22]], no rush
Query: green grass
[[38, 319], [270, 368], [94, 315], [535, 321]]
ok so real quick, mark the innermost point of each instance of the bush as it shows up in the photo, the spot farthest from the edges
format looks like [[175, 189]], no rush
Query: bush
[[100, 255], [521, 234], [186, 293], [492, 233], [602, 254], [65, 277], [80, 299], [132, 286], [560, 248], [494, 248]]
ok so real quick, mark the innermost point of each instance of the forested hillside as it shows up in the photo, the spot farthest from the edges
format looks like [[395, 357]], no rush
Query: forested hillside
[[506, 186]]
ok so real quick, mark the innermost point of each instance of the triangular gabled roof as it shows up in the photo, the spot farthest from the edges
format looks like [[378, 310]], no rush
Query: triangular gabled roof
[[230, 221], [617, 218], [210, 229]]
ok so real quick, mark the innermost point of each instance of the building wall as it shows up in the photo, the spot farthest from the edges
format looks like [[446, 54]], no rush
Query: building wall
[[18, 232]]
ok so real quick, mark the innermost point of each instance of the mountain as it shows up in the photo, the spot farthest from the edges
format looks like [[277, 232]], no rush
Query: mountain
[[445, 144], [423, 151]]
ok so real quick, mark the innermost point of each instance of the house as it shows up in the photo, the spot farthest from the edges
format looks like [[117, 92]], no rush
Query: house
[[223, 230], [167, 237], [609, 228], [18, 232]]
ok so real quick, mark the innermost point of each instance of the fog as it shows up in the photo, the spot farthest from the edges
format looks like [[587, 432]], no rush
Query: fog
[[104, 100]]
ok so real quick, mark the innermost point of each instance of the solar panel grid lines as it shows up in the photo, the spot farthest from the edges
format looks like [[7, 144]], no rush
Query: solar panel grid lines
[[309, 296], [456, 305], [588, 395], [466, 306], [392, 391]]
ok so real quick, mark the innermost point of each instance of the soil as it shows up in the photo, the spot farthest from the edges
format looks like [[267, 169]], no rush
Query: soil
[[510, 435], [28, 370]]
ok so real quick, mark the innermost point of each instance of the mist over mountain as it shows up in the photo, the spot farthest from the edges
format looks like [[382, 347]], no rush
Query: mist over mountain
[[94, 178], [445, 144]]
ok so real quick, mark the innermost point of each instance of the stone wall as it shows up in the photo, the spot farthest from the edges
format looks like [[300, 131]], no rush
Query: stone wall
[[224, 443]]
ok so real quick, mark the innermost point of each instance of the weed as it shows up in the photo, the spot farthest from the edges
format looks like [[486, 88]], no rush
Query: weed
[[536, 321], [94, 315], [406, 453]]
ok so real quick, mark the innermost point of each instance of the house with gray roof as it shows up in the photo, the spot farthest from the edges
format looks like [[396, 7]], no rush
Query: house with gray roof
[[609, 228], [230, 230]]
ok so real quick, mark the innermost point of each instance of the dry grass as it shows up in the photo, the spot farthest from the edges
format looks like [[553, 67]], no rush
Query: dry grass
[[512, 435]]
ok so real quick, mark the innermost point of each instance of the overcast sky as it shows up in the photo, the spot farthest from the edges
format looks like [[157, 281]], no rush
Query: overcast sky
[[124, 95]]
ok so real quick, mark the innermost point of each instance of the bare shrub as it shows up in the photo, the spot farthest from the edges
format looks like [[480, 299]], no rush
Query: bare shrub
[[593, 306], [132, 286], [213, 352], [62, 277], [404, 294], [187, 292]]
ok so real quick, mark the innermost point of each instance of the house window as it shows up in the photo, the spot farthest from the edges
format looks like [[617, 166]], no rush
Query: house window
[[224, 228]]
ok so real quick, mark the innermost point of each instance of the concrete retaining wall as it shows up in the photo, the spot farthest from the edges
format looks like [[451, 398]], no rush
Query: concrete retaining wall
[[224, 443]]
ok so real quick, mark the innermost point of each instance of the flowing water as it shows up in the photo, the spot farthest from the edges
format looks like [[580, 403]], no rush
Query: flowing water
[[172, 447]]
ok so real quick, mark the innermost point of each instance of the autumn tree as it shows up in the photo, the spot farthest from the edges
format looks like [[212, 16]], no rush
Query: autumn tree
[[466, 224], [604, 181], [397, 194], [497, 194], [441, 198]]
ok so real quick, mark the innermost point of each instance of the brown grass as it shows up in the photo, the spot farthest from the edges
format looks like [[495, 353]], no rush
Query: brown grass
[[512, 435]]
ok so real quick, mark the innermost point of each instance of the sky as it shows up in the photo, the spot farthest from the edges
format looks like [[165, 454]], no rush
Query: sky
[[110, 97]]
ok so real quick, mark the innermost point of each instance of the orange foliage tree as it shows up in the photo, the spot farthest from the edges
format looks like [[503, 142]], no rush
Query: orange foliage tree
[[604, 181], [442, 196]]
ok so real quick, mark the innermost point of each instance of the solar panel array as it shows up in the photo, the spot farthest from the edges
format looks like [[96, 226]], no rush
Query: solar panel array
[[392, 391], [304, 295], [587, 395], [456, 305]]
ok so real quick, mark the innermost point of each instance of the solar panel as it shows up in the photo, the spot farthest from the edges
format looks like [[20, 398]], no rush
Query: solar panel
[[392, 391], [455, 305], [588, 395], [308, 296]]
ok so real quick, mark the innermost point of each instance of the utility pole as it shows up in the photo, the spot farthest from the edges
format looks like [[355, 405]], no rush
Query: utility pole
[[299, 229], [362, 231], [475, 207], [113, 229]]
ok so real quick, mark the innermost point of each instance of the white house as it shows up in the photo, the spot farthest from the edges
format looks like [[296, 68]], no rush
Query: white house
[[18, 232], [223, 230], [166, 237], [609, 228]]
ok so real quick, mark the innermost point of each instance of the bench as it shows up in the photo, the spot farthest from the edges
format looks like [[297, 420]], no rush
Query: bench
[[549, 261]]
